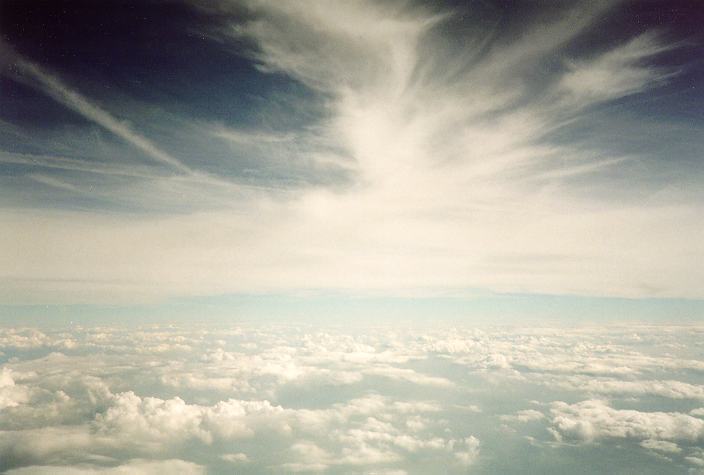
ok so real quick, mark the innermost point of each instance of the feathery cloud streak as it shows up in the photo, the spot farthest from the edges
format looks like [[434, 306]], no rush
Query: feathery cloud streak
[[453, 175], [61, 92]]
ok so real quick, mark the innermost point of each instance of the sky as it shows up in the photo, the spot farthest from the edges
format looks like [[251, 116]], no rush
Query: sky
[[156, 152], [356, 237]]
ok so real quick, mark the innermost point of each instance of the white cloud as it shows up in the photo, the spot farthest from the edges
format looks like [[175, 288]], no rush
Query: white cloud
[[155, 422], [696, 458], [468, 451], [22, 338], [595, 419], [11, 394], [405, 374], [661, 446], [134, 467], [236, 458], [258, 397], [526, 415], [668, 389], [61, 445]]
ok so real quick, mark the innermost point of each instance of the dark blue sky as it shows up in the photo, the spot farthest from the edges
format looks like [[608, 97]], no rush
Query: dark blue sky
[[169, 54]]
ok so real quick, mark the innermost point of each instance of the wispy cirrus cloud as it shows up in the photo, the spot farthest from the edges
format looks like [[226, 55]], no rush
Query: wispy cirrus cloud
[[54, 182], [56, 88], [433, 164]]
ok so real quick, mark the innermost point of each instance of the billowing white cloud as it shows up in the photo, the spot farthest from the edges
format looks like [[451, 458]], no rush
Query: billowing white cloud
[[469, 451], [595, 419], [257, 397], [668, 389], [134, 467], [11, 394], [661, 446], [526, 415], [405, 374], [696, 458]]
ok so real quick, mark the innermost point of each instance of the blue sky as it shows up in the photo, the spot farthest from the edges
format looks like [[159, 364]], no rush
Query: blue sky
[[159, 155]]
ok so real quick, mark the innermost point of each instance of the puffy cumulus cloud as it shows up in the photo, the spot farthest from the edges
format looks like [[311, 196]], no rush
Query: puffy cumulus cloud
[[361, 432], [136, 467], [696, 458], [526, 415], [151, 419], [143, 341], [260, 397], [405, 374], [599, 361], [159, 423], [661, 446], [53, 445], [235, 458], [468, 450], [311, 457], [667, 389], [595, 419], [364, 431], [368, 430], [11, 394], [321, 359], [22, 338]]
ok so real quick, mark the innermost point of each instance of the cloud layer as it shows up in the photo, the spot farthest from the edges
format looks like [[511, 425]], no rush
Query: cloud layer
[[385, 399]]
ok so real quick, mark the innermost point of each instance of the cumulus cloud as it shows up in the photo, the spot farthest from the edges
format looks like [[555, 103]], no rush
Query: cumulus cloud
[[661, 446], [668, 389], [255, 396], [526, 415], [696, 458], [404, 374], [595, 419], [136, 467], [616, 73], [469, 451], [75, 410], [235, 458], [11, 395]]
